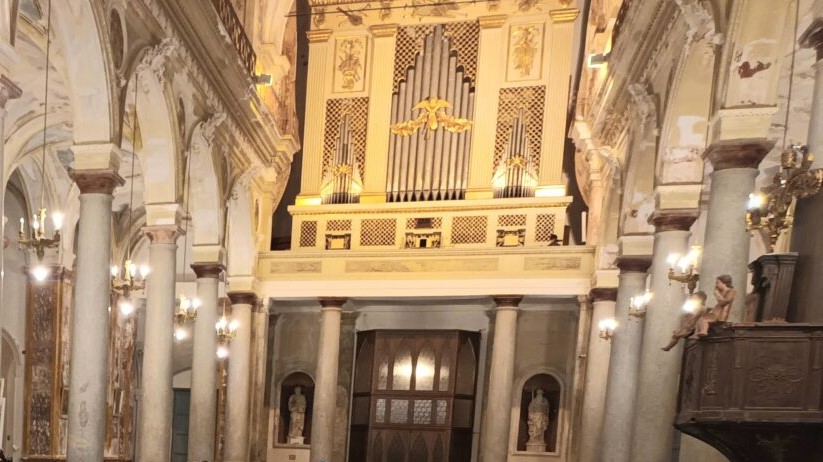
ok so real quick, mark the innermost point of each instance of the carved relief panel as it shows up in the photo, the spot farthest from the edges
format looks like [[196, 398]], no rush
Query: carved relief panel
[[525, 52], [349, 64]]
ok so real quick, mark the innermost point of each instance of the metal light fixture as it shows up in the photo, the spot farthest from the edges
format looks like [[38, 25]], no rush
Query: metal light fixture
[[693, 304], [638, 303], [37, 238], [129, 279], [186, 309], [226, 331], [771, 210], [683, 269], [607, 327]]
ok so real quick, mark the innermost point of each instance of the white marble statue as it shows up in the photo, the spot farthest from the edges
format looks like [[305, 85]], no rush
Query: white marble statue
[[297, 411], [538, 422]]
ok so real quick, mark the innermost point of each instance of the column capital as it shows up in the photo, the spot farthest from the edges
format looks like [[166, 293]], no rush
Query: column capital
[[673, 219], [383, 30], [208, 269], [243, 298], [812, 37], [332, 302], [603, 294], [319, 35], [737, 153], [493, 21], [8, 90], [507, 301], [96, 181], [634, 263], [163, 234]]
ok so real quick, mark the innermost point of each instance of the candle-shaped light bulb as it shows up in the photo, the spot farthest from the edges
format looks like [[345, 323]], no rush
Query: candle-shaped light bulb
[[672, 259], [608, 324], [144, 271], [222, 351], [233, 325], [22, 225], [57, 219], [115, 271], [35, 222], [755, 201]]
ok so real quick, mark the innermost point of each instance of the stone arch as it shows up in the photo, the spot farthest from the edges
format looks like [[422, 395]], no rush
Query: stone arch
[[638, 196], [90, 80], [158, 153], [240, 247], [205, 195]]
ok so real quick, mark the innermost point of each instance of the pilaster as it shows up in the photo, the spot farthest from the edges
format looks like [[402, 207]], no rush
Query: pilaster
[[489, 76], [315, 120], [377, 144]]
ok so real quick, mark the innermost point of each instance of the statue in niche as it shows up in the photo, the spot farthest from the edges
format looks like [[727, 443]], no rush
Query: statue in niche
[[297, 411], [538, 422]]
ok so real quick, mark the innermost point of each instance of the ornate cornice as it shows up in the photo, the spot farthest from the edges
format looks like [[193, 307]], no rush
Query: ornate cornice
[[492, 22], [319, 35], [564, 15], [673, 220], [384, 30]]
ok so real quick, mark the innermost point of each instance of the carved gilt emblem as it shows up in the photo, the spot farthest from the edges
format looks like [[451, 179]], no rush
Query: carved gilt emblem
[[525, 49], [349, 65], [432, 116]]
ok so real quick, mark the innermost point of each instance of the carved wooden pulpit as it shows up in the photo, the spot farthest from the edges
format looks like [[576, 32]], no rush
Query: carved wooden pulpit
[[754, 391]]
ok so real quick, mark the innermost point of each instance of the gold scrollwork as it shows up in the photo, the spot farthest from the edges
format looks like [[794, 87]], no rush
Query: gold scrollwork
[[525, 49], [433, 116], [349, 65]]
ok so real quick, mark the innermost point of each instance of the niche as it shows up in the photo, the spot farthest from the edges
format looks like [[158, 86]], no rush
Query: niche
[[287, 389], [550, 388]]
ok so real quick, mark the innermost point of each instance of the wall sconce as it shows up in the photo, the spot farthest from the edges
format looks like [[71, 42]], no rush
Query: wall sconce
[[771, 210], [684, 269], [695, 303], [637, 305], [607, 327]]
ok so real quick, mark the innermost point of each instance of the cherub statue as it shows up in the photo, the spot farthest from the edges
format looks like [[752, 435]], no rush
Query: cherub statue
[[688, 323], [724, 293]]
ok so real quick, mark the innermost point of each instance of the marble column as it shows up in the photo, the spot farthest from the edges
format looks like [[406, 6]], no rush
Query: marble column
[[259, 409], [88, 374], [727, 242], [154, 427], [597, 373], [325, 384], [659, 370], [203, 402], [808, 218], [495, 437], [621, 390], [237, 390]]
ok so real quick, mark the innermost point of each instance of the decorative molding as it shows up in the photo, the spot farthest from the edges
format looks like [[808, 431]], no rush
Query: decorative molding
[[644, 105], [332, 302], [163, 234], [319, 35], [507, 301], [208, 270], [738, 154], [243, 298], [564, 15], [211, 124], [634, 263], [493, 21], [384, 30], [8, 90], [154, 62], [673, 220], [699, 20], [603, 294]]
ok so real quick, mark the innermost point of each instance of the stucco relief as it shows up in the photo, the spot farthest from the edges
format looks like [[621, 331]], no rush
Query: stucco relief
[[349, 64], [525, 52]]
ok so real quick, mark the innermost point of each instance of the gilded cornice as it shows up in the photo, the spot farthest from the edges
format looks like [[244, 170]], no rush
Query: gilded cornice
[[492, 21], [319, 35], [384, 30], [564, 15]]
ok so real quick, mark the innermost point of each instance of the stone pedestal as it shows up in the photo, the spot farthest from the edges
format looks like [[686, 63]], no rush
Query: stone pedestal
[[535, 447], [772, 276]]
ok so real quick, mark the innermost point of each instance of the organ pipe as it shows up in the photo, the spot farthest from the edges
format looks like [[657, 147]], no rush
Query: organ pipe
[[515, 175], [426, 165], [342, 182]]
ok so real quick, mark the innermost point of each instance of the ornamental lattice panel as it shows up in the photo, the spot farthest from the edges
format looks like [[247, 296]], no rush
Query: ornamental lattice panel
[[469, 230], [511, 100], [378, 232], [511, 220], [308, 234], [358, 110], [545, 227], [338, 225], [464, 39]]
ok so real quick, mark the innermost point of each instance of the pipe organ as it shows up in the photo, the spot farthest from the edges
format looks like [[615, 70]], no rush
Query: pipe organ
[[515, 176], [431, 165], [342, 182]]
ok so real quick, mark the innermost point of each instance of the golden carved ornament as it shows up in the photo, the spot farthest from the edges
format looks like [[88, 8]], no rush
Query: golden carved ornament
[[432, 116], [772, 209], [525, 48], [350, 65]]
